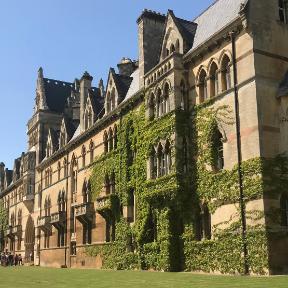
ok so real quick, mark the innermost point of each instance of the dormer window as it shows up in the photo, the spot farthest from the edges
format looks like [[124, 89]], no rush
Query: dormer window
[[283, 11]]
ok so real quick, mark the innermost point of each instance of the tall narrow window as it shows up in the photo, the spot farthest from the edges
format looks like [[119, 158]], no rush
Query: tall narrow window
[[206, 222], [83, 152], [161, 161], [284, 210], [226, 73], [74, 174], [105, 142], [219, 149], [110, 140], [131, 206], [183, 96], [108, 102], [113, 99], [65, 165], [115, 136], [166, 104], [91, 148], [112, 183], [214, 84], [153, 163], [159, 103], [283, 11], [168, 160], [151, 107], [203, 91]]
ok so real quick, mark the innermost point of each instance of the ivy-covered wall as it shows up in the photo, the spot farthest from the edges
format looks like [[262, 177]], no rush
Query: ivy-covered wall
[[163, 235]]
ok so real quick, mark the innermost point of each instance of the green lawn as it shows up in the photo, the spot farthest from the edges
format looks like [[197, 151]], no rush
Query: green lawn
[[32, 277]]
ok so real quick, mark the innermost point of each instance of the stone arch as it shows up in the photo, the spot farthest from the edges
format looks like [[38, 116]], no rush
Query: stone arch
[[200, 70], [223, 54], [29, 239]]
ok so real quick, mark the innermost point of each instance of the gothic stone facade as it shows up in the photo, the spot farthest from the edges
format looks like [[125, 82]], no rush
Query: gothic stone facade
[[236, 49]]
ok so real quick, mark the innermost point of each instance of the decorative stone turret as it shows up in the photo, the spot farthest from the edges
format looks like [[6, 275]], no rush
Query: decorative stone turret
[[85, 85], [101, 87], [40, 103]]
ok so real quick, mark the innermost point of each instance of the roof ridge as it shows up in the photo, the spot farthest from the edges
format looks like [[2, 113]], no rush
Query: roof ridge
[[60, 81]]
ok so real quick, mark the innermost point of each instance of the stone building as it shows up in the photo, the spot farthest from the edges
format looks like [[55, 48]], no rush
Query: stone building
[[177, 163]]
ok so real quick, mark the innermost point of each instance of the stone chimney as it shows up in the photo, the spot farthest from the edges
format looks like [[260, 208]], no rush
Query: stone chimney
[[85, 85], [150, 32], [126, 67]]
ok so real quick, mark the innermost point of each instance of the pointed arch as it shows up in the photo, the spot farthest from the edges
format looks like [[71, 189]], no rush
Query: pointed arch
[[115, 136], [202, 84], [214, 83], [226, 78], [29, 238], [110, 140]]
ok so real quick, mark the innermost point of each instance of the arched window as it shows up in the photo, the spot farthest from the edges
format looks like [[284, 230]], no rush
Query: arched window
[[110, 140], [172, 48], [159, 103], [86, 192], [214, 84], [167, 160], [61, 201], [226, 73], [153, 163], [86, 120], [112, 183], [74, 175], [206, 222], [115, 136], [219, 149], [183, 99], [166, 106], [283, 11], [65, 165], [12, 219], [202, 223], [131, 206], [105, 142], [203, 90], [161, 161], [151, 107], [91, 148], [83, 154], [284, 210]]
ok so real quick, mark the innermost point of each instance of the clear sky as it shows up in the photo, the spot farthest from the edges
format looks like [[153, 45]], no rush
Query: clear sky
[[65, 37]]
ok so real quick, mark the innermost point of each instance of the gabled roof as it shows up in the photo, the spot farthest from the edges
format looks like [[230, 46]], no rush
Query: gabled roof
[[70, 126], [186, 28], [97, 101], [215, 18], [54, 138], [122, 83], [56, 93], [283, 87]]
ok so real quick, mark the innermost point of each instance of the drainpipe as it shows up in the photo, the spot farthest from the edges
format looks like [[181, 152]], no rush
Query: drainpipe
[[239, 156], [66, 217]]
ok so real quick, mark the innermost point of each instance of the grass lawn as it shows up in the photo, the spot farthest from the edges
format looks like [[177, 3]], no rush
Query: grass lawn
[[32, 277]]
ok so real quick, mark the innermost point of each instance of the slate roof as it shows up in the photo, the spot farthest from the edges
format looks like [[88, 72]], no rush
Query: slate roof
[[186, 28], [57, 93], [283, 87], [134, 86], [215, 18], [70, 126], [96, 99], [122, 83], [55, 139]]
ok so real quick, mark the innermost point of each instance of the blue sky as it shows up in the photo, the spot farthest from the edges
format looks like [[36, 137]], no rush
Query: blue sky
[[65, 37]]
